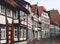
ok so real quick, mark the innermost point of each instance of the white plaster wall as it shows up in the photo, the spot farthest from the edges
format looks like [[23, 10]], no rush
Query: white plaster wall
[[9, 20], [45, 18], [3, 20], [3, 41]]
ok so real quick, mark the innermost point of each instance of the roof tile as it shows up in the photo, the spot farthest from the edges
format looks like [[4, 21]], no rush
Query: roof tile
[[12, 2], [33, 8], [41, 9]]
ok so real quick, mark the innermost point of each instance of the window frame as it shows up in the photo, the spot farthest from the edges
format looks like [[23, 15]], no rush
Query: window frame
[[3, 29], [22, 34], [2, 9], [9, 14], [16, 14]]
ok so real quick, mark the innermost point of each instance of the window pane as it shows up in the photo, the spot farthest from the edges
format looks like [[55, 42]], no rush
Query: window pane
[[22, 33], [25, 17], [9, 12], [25, 34], [3, 33], [16, 14], [21, 15], [2, 9]]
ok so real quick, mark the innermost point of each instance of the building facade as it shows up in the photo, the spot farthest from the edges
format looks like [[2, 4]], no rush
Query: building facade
[[21, 27], [20, 13], [54, 21], [35, 21], [6, 15], [45, 25], [45, 22]]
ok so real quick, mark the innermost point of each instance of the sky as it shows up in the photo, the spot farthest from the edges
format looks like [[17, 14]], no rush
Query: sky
[[48, 4]]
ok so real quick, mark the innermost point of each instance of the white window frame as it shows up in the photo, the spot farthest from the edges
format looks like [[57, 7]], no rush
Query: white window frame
[[25, 34], [3, 30], [9, 13], [27, 6], [2, 11], [16, 15], [21, 34]]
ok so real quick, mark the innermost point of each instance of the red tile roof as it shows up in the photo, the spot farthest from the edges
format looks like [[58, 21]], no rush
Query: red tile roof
[[41, 9], [12, 2], [15, 5], [33, 9]]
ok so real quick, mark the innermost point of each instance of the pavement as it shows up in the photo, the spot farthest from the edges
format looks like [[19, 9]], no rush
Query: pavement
[[57, 41], [46, 41]]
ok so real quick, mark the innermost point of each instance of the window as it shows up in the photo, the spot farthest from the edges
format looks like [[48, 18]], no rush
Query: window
[[44, 14], [3, 33], [9, 13], [23, 34], [27, 6], [16, 14], [21, 13], [23, 17], [2, 9]]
